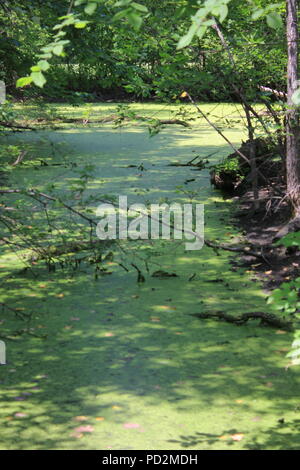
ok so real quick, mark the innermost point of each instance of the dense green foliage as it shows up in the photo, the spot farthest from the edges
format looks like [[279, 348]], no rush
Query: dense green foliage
[[95, 51]]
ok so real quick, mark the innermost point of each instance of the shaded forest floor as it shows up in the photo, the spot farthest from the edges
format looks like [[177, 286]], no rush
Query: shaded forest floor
[[261, 228]]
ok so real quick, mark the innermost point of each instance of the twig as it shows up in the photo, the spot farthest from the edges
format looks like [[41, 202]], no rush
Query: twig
[[33, 194], [222, 135], [234, 249], [20, 157], [16, 126], [266, 318], [17, 312]]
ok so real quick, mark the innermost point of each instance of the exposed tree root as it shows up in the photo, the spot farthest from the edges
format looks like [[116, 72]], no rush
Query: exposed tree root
[[267, 319], [292, 226]]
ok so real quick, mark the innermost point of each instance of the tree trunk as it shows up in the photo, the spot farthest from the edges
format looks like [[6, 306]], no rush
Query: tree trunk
[[292, 116]]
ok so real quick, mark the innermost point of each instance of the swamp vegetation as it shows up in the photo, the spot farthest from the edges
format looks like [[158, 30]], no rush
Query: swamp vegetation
[[143, 344]]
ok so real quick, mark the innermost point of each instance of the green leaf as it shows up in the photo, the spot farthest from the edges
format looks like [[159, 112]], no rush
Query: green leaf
[[207, 23], [201, 31], [43, 65], [35, 68], [139, 7], [292, 239], [45, 56], [223, 12], [47, 49], [81, 24], [64, 17], [134, 19], [292, 296], [296, 343], [60, 34], [121, 14], [184, 41], [274, 20], [257, 13], [122, 3], [294, 353], [62, 42], [187, 38], [70, 19], [38, 79], [57, 50], [23, 81], [90, 8]]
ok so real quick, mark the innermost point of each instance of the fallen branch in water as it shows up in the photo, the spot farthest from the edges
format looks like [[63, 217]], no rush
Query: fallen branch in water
[[20, 158], [18, 312], [10, 125], [236, 249], [34, 194], [173, 121], [41, 196], [115, 117], [40, 251], [140, 277], [24, 331], [266, 319], [68, 248]]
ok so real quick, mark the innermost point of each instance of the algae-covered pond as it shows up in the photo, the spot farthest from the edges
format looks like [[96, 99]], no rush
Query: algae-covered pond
[[123, 364]]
